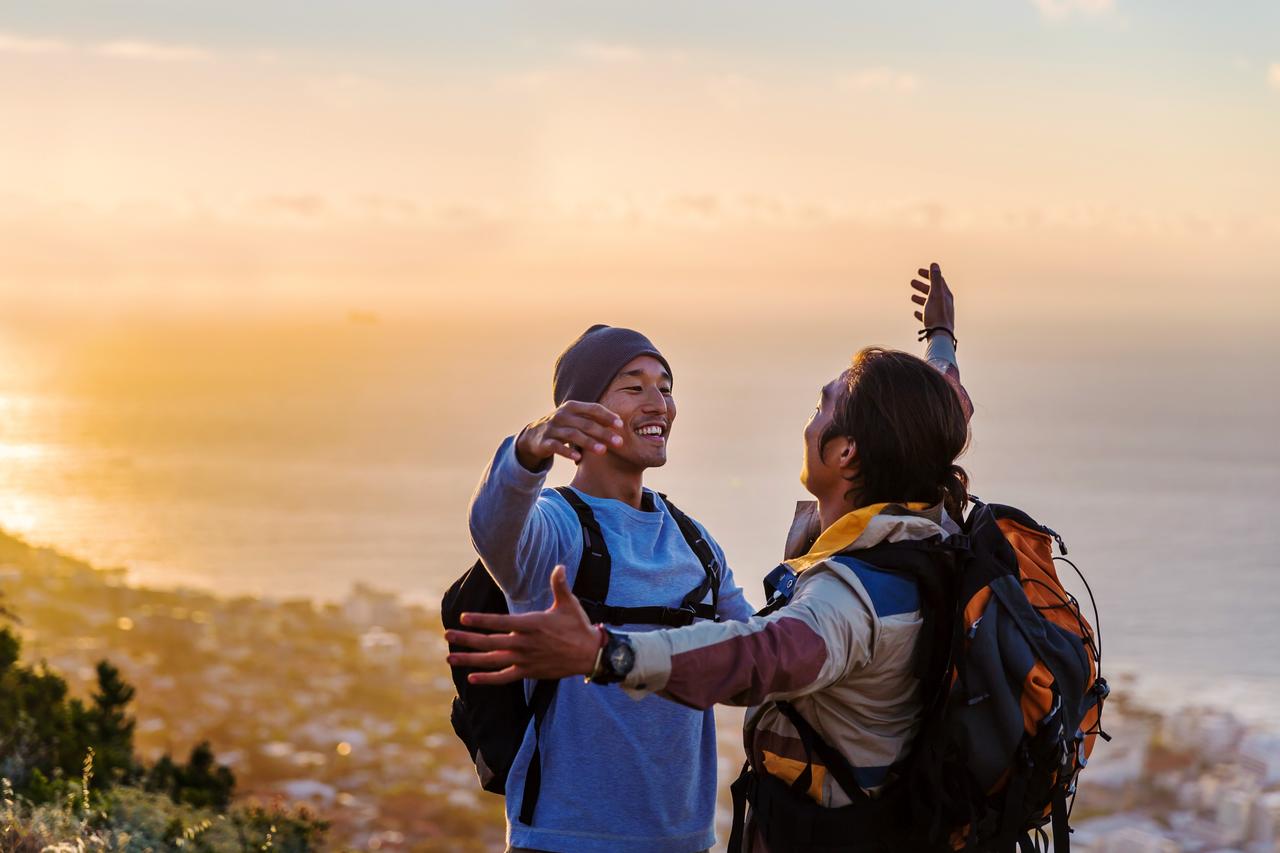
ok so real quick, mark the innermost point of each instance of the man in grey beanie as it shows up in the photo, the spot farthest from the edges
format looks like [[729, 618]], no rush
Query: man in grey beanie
[[615, 775]]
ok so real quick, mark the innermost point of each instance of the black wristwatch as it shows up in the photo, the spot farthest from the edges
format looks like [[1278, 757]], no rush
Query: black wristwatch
[[615, 660]]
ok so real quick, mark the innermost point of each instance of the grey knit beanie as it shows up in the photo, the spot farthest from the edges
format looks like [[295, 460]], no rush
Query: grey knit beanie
[[585, 369]]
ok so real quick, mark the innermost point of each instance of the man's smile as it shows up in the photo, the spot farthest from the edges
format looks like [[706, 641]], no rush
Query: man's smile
[[654, 432]]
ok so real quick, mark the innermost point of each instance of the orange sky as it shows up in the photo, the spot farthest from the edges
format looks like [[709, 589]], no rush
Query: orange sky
[[1089, 156]]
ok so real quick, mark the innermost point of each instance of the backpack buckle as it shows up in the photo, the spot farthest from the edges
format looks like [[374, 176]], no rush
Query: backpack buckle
[[700, 547], [678, 617], [780, 584]]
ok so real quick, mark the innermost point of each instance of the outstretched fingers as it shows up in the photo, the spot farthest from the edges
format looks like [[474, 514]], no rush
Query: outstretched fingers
[[483, 642], [934, 297], [595, 420], [505, 676], [583, 431], [919, 298], [484, 660], [505, 622], [560, 448], [602, 415]]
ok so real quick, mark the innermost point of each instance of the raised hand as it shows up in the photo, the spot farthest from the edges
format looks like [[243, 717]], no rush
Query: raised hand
[[553, 643], [939, 305], [569, 431]]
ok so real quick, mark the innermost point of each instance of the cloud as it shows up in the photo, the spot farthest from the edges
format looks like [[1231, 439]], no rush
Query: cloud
[[346, 91], [1056, 10], [1273, 75], [137, 50], [530, 82], [607, 52], [881, 79], [299, 206], [620, 54], [12, 43], [732, 90], [147, 51]]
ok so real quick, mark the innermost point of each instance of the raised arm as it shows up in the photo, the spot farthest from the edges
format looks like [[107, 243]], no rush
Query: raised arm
[[520, 537], [938, 317]]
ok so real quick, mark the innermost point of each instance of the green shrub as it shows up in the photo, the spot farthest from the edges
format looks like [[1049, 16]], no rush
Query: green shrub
[[45, 736], [129, 819]]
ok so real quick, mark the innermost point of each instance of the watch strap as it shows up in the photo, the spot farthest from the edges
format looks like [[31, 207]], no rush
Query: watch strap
[[604, 673]]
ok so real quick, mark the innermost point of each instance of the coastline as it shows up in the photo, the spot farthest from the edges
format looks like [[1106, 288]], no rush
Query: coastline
[[343, 706]]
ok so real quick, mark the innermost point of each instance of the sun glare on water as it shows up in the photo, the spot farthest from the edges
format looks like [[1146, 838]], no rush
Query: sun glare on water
[[18, 515]]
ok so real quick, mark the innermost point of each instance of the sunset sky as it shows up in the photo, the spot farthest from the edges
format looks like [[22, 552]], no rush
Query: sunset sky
[[277, 276], [245, 155]]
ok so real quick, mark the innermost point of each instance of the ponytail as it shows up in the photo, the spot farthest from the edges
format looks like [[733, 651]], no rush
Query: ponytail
[[955, 492]]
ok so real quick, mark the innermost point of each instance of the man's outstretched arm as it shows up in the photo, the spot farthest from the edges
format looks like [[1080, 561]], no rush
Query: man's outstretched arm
[[512, 530], [938, 316], [824, 632]]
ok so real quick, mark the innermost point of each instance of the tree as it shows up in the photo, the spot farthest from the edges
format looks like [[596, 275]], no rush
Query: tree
[[203, 783], [38, 730], [45, 736], [111, 728]]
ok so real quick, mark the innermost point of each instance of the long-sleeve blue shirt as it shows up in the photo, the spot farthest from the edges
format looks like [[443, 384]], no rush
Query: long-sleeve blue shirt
[[618, 776]]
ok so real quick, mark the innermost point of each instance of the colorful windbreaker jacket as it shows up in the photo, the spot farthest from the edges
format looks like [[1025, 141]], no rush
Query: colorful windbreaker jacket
[[841, 651]]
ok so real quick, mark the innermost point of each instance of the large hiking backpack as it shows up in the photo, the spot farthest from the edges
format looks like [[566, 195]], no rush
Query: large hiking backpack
[[492, 719], [1012, 693]]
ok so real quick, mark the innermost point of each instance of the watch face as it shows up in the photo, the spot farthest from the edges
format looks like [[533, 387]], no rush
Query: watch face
[[621, 658]]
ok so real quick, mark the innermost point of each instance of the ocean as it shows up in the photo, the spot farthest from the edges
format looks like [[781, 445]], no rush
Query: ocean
[[295, 459]]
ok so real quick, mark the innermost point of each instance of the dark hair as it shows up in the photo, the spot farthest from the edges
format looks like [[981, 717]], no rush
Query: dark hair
[[909, 427]]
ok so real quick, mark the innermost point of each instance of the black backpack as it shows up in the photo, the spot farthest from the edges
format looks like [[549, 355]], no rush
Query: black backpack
[[982, 775], [492, 719]]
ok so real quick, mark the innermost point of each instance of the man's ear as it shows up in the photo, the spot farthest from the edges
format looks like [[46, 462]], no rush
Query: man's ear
[[848, 461]]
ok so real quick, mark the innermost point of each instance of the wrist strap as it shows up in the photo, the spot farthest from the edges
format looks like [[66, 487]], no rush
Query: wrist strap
[[929, 331], [598, 670]]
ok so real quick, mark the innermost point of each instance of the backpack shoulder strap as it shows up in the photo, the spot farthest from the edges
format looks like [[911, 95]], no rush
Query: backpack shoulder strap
[[932, 566], [544, 692], [706, 556], [837, 765], [592, 580], [590, 584]]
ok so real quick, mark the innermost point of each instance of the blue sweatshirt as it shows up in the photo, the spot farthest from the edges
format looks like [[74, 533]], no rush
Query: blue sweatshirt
[[618, 775]]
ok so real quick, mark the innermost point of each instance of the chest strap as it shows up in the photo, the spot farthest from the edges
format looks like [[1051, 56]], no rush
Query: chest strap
[[594, 570]]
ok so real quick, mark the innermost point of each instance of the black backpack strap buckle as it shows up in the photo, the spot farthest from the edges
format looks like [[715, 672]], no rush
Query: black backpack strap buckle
[[667, 617], [676, 617]]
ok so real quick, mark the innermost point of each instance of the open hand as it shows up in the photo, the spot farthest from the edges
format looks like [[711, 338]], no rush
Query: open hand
[[569, 431], [939, 305], [553, 643]]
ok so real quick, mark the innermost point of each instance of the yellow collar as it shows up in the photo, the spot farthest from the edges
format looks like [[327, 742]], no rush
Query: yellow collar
[[839, 536]]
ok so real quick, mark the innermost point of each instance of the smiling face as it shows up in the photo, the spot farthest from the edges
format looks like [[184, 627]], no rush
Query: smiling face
[[641, 396]]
